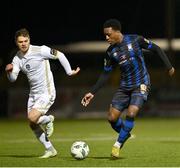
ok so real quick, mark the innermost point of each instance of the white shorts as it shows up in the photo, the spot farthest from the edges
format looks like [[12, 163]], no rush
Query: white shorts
[[40, 102]]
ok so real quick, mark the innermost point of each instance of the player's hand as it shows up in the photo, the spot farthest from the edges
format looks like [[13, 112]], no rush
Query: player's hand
[[86, 99], [74, 72], [171, 71], [9, 68]]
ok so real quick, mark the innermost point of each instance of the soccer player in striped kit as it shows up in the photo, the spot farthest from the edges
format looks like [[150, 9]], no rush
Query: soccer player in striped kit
[[125, 51], [33, 61]]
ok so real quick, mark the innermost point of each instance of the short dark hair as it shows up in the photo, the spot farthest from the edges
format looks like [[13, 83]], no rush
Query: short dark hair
[[21, 32], [114, 23]]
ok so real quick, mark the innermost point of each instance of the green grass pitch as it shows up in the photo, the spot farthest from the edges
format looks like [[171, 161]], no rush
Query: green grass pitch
[[156, 144]]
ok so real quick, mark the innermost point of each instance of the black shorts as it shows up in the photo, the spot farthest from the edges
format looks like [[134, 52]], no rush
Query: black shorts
[[123, 98]]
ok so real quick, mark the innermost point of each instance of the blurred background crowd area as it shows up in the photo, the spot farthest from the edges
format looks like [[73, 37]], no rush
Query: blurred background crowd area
[[77, 31]]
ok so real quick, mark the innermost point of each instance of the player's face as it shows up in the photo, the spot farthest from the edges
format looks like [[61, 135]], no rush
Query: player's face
[[112, 36], [23, 43]]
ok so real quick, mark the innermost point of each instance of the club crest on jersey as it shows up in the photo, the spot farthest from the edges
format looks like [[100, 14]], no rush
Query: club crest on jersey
[[115, 54], [28, 67]]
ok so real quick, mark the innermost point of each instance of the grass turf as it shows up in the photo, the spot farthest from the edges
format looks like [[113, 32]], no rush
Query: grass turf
[[156, 144]]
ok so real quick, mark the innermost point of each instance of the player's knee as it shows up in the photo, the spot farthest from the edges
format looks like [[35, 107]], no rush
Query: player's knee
[[112, 117], [132, 111], [112, 114], [32, 118], [34, 115], [131, 114]]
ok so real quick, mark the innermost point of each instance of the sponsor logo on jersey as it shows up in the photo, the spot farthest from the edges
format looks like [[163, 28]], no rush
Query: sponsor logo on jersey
[[123, 59]]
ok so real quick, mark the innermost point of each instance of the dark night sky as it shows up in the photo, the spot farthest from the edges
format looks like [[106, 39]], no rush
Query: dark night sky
[[56, 23]]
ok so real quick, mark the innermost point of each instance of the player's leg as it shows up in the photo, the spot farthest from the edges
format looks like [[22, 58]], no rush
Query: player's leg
[[119, 103], [34, 115], [41, 136], [137, 100], [114, 119], [36, 110], [38, 117], [42, 105], [116, 123], [124, 132], [47, 120]]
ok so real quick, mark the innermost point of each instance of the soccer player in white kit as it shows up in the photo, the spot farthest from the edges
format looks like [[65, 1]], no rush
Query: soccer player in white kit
[[34, 62]]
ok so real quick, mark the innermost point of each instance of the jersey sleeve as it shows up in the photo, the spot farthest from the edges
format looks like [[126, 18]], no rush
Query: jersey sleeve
[[103, 78], [100, 82], [149, 45], [145, 43], [49, 53], [107, 64]]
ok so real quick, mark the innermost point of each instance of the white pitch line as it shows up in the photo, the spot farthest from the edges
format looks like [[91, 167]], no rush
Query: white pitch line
[[103, 138], [61, 139]]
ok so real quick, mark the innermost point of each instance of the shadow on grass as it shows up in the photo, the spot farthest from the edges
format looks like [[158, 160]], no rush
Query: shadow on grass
[[19, 156], [106, 158], [89, 158]]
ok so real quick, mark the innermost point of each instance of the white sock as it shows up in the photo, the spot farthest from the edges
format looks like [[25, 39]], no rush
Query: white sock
[[51, 148], [43, 119], [117, 144], [43, 139]]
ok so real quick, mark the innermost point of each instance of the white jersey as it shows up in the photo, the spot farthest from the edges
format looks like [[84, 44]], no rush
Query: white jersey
[[35, 64]]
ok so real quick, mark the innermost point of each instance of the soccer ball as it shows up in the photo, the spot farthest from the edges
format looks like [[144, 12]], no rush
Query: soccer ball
[[79, 150]]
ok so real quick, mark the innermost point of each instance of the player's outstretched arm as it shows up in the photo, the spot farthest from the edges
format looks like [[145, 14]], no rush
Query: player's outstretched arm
[[66, 65], [100, 82], [74, 72], [86, 99]]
